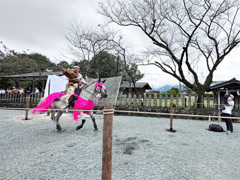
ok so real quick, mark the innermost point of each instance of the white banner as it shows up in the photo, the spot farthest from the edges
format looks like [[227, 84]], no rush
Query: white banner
[[55, 84]]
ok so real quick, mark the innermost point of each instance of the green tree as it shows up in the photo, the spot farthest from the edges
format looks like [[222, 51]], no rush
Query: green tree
[[103, 65], [43, 62], [17, 63], [133, 75], [65, 64], [14, 63], [173, 90]]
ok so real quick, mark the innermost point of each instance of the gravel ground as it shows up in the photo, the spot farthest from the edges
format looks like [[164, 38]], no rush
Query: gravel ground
[[142, 149]]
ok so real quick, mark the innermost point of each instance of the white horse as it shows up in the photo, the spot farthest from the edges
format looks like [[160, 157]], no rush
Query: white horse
[[84, 102]]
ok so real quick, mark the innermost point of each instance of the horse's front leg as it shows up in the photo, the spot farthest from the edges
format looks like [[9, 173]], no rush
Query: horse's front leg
[[83, 121], [80, 126], [93, 120]]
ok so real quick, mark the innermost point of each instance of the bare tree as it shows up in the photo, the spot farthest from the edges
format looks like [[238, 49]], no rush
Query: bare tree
[[130, 69], [85, 43], [190, 37]]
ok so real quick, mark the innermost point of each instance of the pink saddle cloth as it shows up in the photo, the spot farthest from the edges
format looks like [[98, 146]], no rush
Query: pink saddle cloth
[[82, 104], [46, 104]]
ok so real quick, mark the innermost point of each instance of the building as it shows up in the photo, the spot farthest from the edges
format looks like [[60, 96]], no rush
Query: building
[[140, 86], [33, 78]]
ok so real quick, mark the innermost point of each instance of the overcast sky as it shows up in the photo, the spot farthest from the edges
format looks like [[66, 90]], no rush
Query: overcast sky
[[41, 25]]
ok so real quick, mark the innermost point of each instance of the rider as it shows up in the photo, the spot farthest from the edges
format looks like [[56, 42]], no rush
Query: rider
[[75, 79]]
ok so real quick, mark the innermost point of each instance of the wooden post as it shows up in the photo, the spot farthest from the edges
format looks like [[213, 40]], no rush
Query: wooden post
[[124, 99], [129, 99], [149, 101], [160, 101], [189, 101], [171, 116], [195, 99], [177, 101], [134, 99], [155, 100], [107, 143], [166, 100], [145, 100], [27, 106], [140, 102]]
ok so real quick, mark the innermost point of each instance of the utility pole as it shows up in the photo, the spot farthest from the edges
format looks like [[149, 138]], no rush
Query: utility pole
[[117, 64], [180, 87]]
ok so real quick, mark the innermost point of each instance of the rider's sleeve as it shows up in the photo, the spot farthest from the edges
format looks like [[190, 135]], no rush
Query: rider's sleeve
[[81, 79], [69, 73]]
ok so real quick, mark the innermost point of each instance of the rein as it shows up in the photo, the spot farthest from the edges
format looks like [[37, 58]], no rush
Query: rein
[[85, 89]]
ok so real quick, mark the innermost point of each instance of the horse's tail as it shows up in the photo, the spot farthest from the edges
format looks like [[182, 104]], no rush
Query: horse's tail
[[42, 100], [39, 106]]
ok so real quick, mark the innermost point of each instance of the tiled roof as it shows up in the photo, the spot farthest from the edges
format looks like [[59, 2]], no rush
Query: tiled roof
[[138, 85], [231, 84], [35, 74]]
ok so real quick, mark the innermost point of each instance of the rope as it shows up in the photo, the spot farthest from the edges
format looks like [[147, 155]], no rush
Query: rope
[[106, 111]]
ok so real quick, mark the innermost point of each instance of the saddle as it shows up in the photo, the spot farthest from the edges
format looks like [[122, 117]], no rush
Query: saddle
[[58, 98], [72, 99]]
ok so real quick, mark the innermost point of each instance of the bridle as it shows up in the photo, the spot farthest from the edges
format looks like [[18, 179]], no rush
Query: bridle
[[85, 89]]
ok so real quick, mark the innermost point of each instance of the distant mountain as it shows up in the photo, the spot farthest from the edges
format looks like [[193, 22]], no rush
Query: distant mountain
[[165, 88]]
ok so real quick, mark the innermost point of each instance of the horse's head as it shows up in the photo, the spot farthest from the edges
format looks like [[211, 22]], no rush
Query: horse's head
[[101, 89]]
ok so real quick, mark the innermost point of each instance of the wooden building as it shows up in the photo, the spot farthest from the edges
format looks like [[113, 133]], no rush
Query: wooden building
[[140, 86], [219, 90], [33, 78]]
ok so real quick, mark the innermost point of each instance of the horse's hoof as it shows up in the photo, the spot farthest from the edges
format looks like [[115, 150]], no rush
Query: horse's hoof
[[58, 128], [78, 127], [95, 130]]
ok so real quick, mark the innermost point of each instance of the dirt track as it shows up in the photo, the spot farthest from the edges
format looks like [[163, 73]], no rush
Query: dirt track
[[142, 149]]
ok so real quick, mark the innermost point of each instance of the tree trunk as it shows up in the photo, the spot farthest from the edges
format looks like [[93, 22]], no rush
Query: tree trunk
[[199, 98]]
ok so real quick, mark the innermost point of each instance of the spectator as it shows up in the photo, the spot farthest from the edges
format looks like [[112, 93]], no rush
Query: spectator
[[14, 90], [9, 91], [20, 90], [37, 90], [227, 112], [2, 91], [29, 91]]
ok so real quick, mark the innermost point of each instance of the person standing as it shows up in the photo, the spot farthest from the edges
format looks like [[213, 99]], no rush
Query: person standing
[[36, 90], [29, 91], [227, 112]]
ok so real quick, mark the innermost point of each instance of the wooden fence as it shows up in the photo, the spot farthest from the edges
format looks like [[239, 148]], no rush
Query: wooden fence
[[19, 100], [181, 105], [163, 101], [124, 100]]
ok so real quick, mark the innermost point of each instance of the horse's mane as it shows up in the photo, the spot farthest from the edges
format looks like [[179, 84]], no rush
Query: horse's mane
[[90, 82]]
